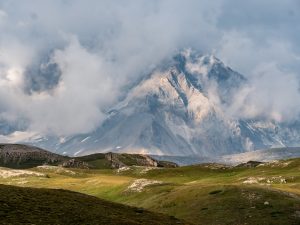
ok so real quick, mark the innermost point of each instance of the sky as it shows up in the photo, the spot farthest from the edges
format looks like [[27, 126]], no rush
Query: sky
[[63, 62]]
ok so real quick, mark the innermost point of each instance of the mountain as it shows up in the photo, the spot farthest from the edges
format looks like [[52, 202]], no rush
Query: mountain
[[177, 110], [25, 156]]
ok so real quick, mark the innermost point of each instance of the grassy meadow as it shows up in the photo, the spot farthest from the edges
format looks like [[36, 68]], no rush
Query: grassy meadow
[[199, 194]]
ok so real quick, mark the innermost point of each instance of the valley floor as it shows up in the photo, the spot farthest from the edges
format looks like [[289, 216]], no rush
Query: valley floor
[[200, 194]]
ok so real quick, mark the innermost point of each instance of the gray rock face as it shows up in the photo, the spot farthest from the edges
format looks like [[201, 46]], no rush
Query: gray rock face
[[174, 111]]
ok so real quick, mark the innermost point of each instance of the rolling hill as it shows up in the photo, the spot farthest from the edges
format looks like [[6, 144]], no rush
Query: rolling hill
[[25, 156], [45, 206]]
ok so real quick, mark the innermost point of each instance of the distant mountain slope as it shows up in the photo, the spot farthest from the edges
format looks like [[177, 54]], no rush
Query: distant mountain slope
[[265, 155], [25, 156], [262, 155], [46, 206]]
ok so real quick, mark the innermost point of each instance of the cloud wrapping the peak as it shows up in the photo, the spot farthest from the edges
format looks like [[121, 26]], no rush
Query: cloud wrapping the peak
[[271, 94], [62, 62]]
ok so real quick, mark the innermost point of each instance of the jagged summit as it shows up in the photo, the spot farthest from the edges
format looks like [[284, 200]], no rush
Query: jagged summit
[[187, 75]]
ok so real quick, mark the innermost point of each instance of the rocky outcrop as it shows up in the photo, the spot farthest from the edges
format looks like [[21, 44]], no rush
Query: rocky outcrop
[[120, 160], [250, 164], [74, 163], [167, 164], [114, 160]]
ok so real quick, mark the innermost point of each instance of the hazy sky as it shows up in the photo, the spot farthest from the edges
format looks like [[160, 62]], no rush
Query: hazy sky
[[63, 61]]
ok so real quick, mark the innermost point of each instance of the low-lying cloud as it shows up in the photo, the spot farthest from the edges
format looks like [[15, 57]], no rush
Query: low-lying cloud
[[62, 63]]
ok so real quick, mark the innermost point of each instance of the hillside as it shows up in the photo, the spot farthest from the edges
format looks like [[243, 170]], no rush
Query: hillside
[[46, 206], [25, 156], [117, 160]]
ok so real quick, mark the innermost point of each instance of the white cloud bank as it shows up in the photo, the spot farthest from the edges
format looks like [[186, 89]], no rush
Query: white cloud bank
[[98, 46]]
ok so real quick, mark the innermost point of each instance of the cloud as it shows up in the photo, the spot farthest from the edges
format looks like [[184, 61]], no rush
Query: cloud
[[62, 62], [273, 74], [85, 87], [271, 94], [245, 54]]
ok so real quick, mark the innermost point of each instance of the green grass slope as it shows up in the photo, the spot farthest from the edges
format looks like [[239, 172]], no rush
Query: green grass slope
[[200, 194], [45, 206], [218, 204]]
